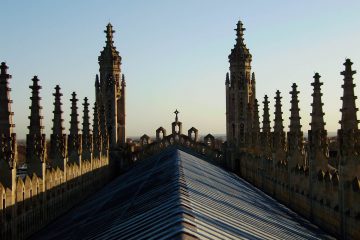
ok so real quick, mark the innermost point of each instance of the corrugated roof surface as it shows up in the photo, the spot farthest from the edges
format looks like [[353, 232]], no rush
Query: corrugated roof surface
[[176, 194]]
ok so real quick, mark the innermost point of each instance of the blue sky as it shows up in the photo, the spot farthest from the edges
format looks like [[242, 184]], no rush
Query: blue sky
[[175, 55]]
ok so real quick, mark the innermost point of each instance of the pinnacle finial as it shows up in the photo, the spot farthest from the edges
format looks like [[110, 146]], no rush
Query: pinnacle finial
[[3, 68], [240, 32], [227, 79], [240, 52], [347, 64], [109, 34], [317, 79]]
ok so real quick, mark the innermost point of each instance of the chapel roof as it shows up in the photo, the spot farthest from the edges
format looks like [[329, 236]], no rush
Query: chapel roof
[[176, 194]]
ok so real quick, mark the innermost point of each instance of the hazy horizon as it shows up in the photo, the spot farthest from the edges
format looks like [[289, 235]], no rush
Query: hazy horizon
[[174, 55]]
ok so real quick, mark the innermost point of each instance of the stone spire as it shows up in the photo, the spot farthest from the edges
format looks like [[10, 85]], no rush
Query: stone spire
[[279, 134], [349, 133], [96, 133], [295, 135], [294, 111], [35, 140], [57, 121], [86, 136], [7, 136], [57, 138], [317, 115], [278, 120], [74, 138], [266, 129], [349, 141], [35, 117], [349, 119], [74, 123], [6, 121], [266, 116], [318, 144]]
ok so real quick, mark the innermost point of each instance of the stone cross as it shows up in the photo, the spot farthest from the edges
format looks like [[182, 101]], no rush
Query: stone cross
[[176, 115]]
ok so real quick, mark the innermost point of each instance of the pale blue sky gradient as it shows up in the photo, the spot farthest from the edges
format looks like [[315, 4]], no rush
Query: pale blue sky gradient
[[175, 55]]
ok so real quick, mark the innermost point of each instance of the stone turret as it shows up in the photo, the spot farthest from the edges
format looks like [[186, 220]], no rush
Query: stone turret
[[295, 135], [57, 138], [111, 90], [86, 135], [7, 135], [35, 140], [349, 144], [266, 129], [278, 134], [74, 139], [238, 126], [96, 133]]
